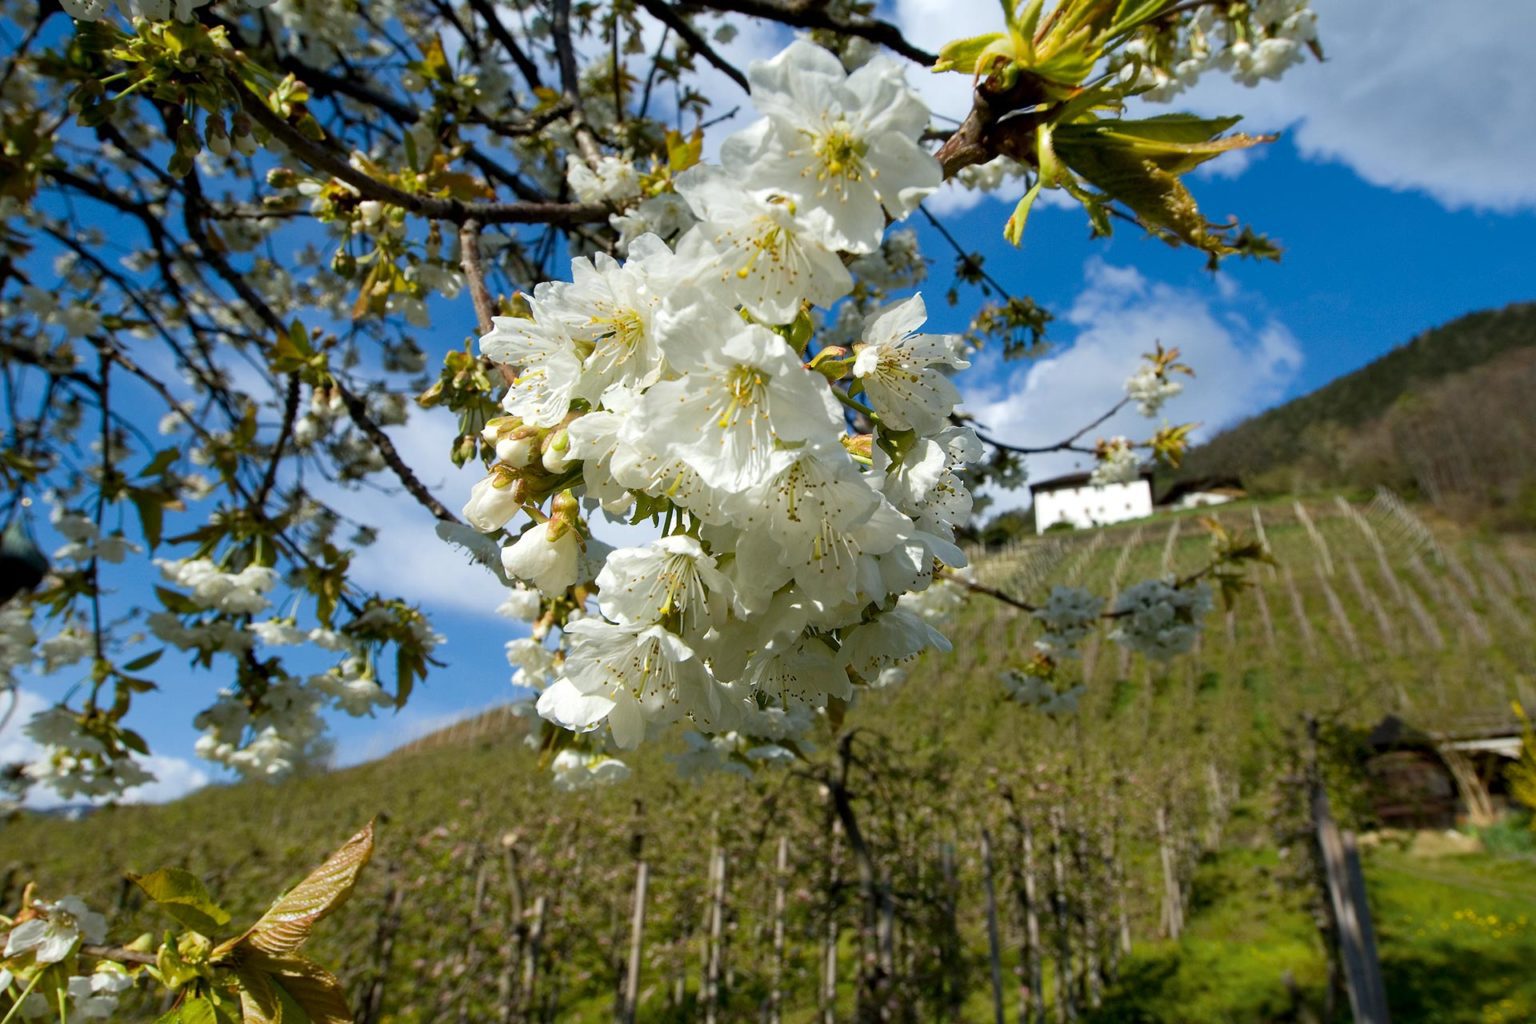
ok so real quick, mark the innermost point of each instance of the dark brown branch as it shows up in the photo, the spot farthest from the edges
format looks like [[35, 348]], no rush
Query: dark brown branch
[[529, 69], [570, 80], [358, 410], [119, 954], [474, 274], [814, 14], [664, 13], [993, 592], [284, 431], [332, 162], [1067, 445]]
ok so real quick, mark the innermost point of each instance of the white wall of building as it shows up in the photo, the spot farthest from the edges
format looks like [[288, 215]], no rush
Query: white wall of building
[[1086, 505], [1202, 499]]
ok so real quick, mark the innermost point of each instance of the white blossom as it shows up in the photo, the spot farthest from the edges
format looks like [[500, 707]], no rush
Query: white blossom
[[1118, 463], [52, 937], [842, 146]]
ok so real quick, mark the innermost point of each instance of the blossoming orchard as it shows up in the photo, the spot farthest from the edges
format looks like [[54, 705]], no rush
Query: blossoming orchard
[[234, 231]]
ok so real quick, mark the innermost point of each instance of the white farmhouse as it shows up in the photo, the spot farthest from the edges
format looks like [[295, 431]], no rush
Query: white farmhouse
[[1074, 499]]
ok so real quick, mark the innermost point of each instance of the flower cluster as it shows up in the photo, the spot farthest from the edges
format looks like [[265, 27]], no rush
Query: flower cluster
[[58, 927], [1251, 42], [802, 488], [234, 593], [49, 934], [1117, 463], [75, 762], [1035, 691], [1160, 620], [1149, 389], [1068, 615], [270, 730], [18, 639]]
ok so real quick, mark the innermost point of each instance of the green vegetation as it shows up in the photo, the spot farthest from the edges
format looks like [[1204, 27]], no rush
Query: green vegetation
[[1305, 442], [1372, 611]]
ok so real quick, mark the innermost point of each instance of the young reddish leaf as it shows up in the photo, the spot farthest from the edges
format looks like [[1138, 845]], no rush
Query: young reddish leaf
[[286, 924], [313, 989], [259, 1001]]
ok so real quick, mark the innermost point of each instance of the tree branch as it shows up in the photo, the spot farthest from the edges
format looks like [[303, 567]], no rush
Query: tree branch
[[474, 274], [814, 14], [664, 13], [1067, 445], [323, 158]]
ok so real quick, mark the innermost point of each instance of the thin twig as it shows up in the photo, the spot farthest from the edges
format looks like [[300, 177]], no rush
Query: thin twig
[[664, 13], [474, 273]]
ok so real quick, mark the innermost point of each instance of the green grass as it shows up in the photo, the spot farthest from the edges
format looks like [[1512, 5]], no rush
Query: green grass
[[1457, 938]]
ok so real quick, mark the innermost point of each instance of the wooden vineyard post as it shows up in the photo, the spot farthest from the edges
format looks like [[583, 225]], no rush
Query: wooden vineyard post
[[1066, 999], [1266, 620], [949, 945], [636, 936], [780, 887], [994, 946], [828, 994], [714, 960], [1088, 909], [1032, 1000], [1173, 898], [1349, 911], [516, 930], [531, 957], [372, 1009], [469, 959], [1299, 610]]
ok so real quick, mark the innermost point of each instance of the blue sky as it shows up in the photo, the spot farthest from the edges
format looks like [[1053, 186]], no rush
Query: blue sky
[[1401, 190]]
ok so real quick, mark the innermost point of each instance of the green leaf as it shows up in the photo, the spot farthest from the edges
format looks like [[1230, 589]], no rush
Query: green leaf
[[140, 664], [963, 54], [174, 601], [1175, 128], [405, 675], [151, 511], [1138, 163], [183, 895], [196, 1010], [161, 462], [1013, 230], [134, 742]]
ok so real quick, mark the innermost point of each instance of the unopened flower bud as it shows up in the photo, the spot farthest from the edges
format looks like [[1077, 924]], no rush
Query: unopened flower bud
[[494, 501], [516, 452], [557, 451]]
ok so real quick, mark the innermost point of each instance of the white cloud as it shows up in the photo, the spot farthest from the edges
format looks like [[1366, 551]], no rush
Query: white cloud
[[932, 23], [1415, 94], [408, 558], [1244, 362], [175, 777]]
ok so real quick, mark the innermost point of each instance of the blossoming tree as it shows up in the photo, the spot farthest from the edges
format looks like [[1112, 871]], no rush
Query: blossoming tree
[[234, 230]]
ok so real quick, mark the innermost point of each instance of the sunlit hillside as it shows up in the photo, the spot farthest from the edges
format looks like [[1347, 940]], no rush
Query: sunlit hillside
[[1170, 801]]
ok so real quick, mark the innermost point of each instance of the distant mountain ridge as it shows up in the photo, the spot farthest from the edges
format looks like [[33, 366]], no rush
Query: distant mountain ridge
[[1284, 436]]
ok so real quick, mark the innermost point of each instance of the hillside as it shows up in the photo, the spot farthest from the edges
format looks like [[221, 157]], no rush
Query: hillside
[[1298, 442], [495, 898]]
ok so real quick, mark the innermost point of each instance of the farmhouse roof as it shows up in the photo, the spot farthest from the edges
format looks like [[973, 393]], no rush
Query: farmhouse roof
[[1059, 483]]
